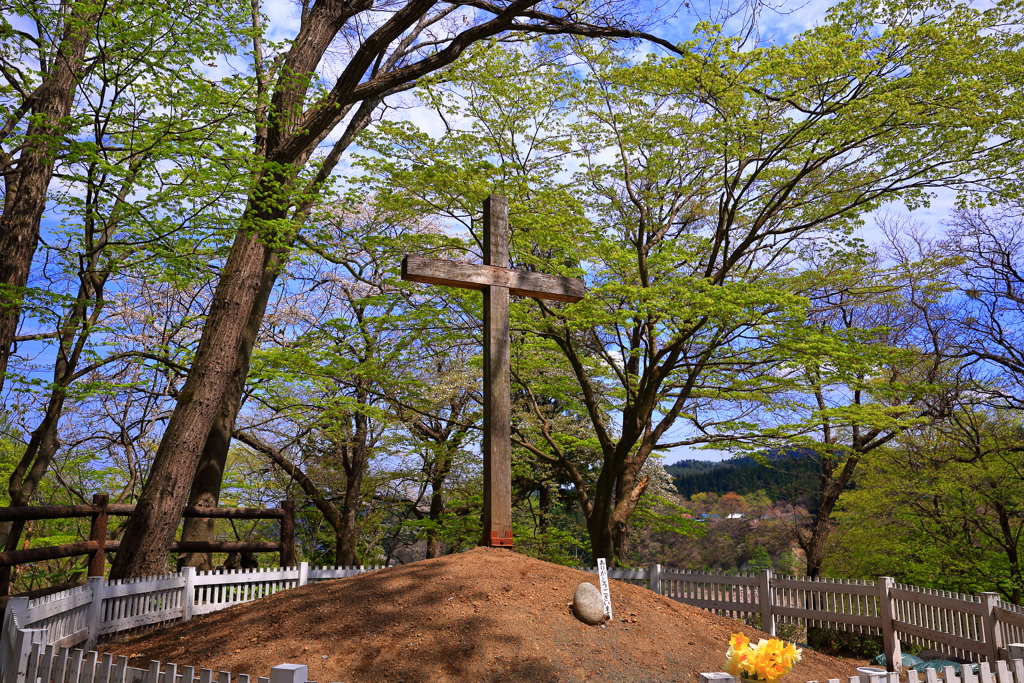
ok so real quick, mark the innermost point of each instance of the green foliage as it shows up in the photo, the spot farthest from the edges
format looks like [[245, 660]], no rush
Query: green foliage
[[941, 508]]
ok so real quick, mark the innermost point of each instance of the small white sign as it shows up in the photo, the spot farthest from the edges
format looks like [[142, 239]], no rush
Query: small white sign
[[602, 572]]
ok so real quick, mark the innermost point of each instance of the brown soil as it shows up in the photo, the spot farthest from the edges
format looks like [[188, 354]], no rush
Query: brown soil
[[484, 615]]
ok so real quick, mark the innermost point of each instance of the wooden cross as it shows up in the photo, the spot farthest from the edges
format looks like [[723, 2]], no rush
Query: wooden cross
[[496, 280]]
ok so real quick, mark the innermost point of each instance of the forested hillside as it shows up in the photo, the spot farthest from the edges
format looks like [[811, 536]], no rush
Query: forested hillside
[[782, 476]]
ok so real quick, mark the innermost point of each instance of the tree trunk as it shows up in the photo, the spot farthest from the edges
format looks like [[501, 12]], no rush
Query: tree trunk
[[436, 510], [209, 472], [26, 190], [355, 469], [831, 488]]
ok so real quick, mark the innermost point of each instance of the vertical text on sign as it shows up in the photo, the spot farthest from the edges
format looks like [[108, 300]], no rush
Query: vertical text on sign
[[602, 572]]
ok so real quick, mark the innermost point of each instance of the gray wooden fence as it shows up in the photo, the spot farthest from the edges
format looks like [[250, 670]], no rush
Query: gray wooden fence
[[974, 627]]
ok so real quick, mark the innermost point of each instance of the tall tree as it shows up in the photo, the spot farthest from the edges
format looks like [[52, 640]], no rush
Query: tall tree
[[144, 121], [387, 48], [42, 71], [706, 176]]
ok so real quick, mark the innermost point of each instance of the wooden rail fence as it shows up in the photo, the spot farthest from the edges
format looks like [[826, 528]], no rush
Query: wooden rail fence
[[97, 546]]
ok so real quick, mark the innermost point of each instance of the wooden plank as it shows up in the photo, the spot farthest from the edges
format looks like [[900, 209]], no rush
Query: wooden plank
[[26, 512], [275, 576], [46, 665], [32, 670], [1012, 618], [835, 617], [825, 587], [49, 553], [1018, 670], [89, 668], [226, 546], [954, 641], [60, 665], [711, 578], [106, 668], [140, 620], [745, 607], [939, 601], [1003, 672], [75, 666], [171, 584], [436, 271], [497, 438], [208, 512]]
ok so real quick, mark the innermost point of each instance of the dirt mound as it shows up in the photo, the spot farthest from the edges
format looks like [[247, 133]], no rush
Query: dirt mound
[[485, 615]]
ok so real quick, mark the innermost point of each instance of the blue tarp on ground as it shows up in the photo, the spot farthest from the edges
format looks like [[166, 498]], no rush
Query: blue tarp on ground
[[909, 660]]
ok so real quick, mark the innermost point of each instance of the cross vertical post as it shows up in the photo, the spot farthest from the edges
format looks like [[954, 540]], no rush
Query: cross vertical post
[[497, 382], [497, 282]]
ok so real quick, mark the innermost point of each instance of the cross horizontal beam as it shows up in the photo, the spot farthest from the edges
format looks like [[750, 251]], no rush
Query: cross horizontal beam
[[437, 271]]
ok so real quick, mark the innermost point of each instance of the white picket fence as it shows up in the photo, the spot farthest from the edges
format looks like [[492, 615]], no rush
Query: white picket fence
[[81, 615], [47, 664], [974, 627], [1005, 672], [977, 628]]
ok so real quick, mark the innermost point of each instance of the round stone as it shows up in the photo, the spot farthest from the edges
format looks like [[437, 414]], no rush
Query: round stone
[[587, 604]]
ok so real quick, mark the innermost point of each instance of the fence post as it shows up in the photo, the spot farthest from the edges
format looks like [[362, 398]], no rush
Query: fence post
[[289, 673], [303, 574], [98, 533], [94, 618], [188, 595], [288, 534], [993, 636], [890, 643], [654, 578], [18, 607], [764, 601]]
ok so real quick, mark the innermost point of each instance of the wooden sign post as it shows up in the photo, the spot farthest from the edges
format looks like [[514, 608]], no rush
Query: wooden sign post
[[497, 281]]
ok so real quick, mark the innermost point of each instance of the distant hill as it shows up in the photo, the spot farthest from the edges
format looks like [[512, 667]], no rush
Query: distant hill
[[789, 475]]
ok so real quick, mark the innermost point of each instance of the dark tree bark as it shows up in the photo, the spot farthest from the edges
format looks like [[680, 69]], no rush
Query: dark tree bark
[[28, 179]]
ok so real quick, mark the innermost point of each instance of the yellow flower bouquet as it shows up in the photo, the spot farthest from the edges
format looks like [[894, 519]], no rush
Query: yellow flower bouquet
[[769, 660]]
